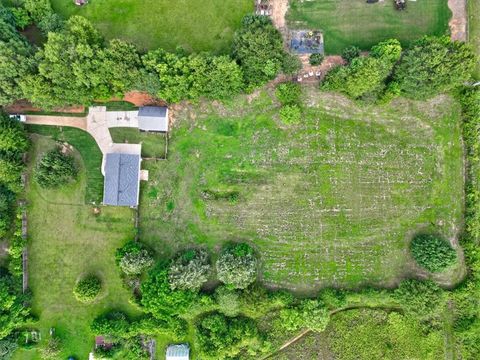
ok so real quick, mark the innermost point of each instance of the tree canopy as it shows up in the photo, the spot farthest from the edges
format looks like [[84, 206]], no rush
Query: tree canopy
[[432, 252], [189, 270], [55, 169], [258, 48], [237, 266], [433, 65]]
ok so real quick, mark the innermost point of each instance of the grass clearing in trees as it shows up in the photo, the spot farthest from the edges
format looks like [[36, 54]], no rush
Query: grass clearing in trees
[[355, 22], [195, 25], [332, 200]]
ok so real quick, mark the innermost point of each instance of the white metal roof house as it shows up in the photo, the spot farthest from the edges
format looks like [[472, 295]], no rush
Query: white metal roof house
[[122, 179], [153, 118], [178, 352]]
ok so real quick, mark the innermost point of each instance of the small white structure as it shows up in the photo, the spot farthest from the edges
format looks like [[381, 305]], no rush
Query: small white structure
[[153, 118], [178, 352], [21, 118]]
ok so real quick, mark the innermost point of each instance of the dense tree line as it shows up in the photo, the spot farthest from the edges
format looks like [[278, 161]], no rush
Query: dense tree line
[[76, 66], [430, 66]]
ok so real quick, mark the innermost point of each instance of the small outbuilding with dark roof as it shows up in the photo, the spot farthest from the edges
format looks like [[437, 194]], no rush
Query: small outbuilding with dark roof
[[122, 179], [153, 118]]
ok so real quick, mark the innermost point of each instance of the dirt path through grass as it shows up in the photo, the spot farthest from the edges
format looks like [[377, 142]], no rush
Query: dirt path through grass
[[458, 22]]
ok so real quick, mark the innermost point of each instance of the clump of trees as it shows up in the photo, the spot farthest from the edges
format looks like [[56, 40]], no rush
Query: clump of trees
[[12, 309], [258, 48], [237, 266], [432, 252], [13, 143], [221, 337], [434, 65], [55, 169], [134, 258], [7, 198], [15, 59], [189, 270], [365, 76], [87, 288]]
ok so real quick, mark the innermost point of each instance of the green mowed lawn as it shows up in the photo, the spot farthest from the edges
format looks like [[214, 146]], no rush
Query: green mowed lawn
[[153, 144], [89, 151], [331, 201], [473, 8], [354, 22], [195, 25], [66, 240]]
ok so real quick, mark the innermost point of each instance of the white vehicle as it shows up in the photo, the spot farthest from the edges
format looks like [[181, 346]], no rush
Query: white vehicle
[[21, 118]]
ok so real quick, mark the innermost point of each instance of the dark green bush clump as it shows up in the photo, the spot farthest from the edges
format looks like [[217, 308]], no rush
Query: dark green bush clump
[[432, 252], [316, 59], [55, 169], [87, 289], [350, 53]]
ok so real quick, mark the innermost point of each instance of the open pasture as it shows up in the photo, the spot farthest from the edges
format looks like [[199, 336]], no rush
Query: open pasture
[[331, 201], [195, 25], [355, 22]]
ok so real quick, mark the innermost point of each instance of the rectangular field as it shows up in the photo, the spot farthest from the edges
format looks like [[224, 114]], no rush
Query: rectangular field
[[354, 22], [332, 201], [195, 25]]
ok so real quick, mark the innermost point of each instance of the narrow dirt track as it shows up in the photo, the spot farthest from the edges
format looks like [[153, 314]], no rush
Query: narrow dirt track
[[73, 121], [458, 22]]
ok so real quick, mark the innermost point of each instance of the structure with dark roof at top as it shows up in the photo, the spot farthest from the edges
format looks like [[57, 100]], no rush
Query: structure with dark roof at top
[[122, 179], [153, 118]]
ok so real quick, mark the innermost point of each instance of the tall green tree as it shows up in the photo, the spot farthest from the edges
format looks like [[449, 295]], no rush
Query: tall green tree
[[258, 48], [434, 65], [15, 62], [13, 138], [67, 67]]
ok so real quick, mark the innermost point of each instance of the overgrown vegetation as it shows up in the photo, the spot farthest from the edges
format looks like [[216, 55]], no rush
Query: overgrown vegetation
[[432, 252]]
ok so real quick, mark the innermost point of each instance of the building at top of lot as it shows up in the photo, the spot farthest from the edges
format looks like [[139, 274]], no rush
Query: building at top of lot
[[153, 118]]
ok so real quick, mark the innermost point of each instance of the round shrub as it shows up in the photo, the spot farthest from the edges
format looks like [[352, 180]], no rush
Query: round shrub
[[237, 266], [350, 53], [87, 289], [290, 114], [190, 270], [432, 252], [133, 258], [316, 59], [55, 169]]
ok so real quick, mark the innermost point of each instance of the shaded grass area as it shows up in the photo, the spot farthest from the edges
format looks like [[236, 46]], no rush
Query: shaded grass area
[[195, 25], [354, 22], [368, 334], [153, 144], [66, 240], [473, 8], [84, 143], [332, 201]]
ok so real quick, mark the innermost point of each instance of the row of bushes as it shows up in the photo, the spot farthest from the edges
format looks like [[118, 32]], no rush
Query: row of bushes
[[430, 66]]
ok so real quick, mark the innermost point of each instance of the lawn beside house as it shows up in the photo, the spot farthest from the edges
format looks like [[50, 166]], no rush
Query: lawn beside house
[[195, 25], [67, 240], [354, 22], [153, 144], [89, 150]]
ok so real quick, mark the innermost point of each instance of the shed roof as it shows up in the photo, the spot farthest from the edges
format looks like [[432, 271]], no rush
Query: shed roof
[[122, 179], [178, 352], [153, 118]]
